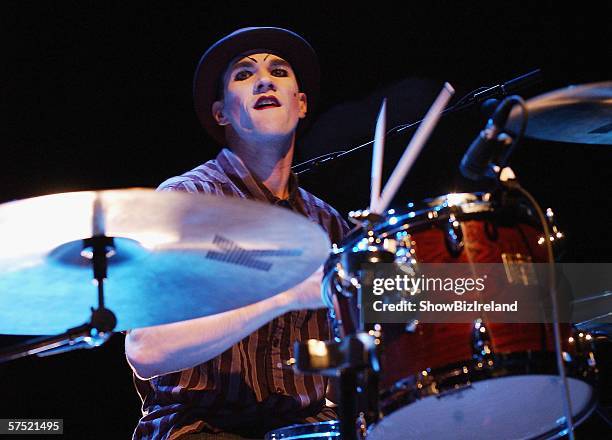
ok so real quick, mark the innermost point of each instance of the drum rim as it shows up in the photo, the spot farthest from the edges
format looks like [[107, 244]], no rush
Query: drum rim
[[506, 364], [331, 423], [461, 205], [431, 211]]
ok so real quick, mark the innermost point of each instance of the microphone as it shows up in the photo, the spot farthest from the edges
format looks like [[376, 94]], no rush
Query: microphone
[[476, 160]]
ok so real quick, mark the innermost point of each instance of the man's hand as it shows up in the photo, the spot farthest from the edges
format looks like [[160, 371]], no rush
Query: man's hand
[[307, 294]]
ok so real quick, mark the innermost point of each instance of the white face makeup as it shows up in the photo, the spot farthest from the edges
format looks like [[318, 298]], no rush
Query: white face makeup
[[261, 98]]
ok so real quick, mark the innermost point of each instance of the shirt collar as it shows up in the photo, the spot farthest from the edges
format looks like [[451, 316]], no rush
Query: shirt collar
[[240, 175]]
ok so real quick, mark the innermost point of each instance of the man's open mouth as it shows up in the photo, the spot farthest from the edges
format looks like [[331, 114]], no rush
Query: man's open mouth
[[266, 102]]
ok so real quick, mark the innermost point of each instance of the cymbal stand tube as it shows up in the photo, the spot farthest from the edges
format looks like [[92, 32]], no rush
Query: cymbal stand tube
[[92, 334], [100, 249]]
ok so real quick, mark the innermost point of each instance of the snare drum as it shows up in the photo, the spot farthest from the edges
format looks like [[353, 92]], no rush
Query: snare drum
[[432, 383]]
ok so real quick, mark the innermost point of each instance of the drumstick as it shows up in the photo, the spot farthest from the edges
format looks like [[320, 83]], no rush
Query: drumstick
[[377, 157], [415, 146]]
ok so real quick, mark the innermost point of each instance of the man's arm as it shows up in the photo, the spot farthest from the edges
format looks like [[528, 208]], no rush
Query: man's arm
[[164, 349]]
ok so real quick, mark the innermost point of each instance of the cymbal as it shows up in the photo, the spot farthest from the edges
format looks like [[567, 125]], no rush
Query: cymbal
[[577, 114], [594, 313], [177, 256]]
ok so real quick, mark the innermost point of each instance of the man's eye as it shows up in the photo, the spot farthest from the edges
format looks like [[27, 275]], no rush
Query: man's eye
[[242, 75], [280, 72]]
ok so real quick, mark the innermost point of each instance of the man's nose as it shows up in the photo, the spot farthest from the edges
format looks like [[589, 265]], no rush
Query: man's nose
[[264, 84]]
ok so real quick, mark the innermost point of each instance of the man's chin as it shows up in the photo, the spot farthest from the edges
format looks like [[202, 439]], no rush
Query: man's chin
[[270, 135]]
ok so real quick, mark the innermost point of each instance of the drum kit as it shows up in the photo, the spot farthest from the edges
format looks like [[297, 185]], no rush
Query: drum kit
[[161, 257]]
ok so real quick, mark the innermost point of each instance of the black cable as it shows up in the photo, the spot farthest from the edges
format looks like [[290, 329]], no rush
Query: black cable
[[514, 185]]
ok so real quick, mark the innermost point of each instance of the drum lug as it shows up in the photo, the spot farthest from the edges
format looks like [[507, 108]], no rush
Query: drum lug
[[361, 426], [581, 343], [556, 236], [411, 326], [453, 236], [482, 350], [365, 218]]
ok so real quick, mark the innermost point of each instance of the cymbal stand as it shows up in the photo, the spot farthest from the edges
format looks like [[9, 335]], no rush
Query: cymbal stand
[[353, 355], [94, 333], [354, 360]]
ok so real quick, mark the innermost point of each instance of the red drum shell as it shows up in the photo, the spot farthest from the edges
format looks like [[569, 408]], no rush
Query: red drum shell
[[436, 345]]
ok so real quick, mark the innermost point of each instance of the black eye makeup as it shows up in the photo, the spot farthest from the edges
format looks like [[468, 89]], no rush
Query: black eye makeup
[[241, 75], [279, 71], [245, 69]]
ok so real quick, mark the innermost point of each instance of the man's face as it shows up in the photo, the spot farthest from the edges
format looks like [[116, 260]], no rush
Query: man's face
[[261, 98]]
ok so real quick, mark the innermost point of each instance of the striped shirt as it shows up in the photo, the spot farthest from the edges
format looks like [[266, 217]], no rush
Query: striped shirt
[[248, 389]]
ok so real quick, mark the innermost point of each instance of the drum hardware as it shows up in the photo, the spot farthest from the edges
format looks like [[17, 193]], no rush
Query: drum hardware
[[454, 236], [321, 431], [354, 360], [343, 294], [583, 344], [141, 244], [329, 357], [482, 347], [556, 234], [102, 323]]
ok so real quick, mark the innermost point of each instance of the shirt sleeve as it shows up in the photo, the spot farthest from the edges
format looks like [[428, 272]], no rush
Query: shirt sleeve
[[190, 186]]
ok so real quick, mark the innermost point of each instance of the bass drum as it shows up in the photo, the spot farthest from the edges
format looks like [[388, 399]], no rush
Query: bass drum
[[473, 380]]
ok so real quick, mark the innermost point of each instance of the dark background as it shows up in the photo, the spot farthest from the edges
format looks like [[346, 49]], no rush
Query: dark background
[[98, 95]]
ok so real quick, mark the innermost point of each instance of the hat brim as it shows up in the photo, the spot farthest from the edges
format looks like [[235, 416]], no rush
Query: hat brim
[[281, 42]]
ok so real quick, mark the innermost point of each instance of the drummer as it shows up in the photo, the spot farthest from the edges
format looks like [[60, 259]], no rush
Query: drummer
[[224, 376]]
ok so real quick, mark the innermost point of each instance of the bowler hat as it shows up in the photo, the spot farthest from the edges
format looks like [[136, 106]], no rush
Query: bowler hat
[[278, 41]]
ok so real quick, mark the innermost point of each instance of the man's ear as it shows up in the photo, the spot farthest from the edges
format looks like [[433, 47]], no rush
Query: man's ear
[[217, 112], [303, 104]]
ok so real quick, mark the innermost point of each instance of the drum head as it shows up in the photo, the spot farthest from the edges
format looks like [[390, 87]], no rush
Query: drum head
[[527, 406]]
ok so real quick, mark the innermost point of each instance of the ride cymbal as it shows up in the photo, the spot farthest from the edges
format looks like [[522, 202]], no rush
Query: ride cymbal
[[577, 114]]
